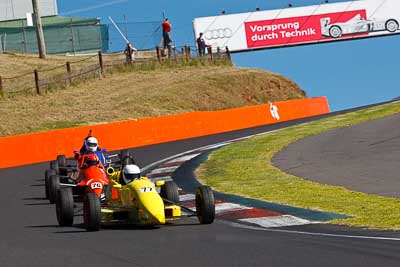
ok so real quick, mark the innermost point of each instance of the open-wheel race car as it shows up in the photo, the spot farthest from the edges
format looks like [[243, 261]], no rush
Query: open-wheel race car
[[140, 202], [68, 172]]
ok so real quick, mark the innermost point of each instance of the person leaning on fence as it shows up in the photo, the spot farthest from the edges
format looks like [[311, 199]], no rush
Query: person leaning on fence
[[129, 52], [166, 29], [201, 45]]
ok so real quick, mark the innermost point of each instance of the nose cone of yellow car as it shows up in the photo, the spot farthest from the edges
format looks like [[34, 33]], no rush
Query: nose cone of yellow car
[[151, 210]]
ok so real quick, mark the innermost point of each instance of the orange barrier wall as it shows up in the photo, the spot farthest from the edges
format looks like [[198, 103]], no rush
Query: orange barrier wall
[[44, 146]]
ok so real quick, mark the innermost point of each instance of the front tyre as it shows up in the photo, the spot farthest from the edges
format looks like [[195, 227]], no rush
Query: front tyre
[[170, 192], [48, 173], [54, 187], [335, 32], [392, 25], [65, 207], [205, 206], [92, 212]]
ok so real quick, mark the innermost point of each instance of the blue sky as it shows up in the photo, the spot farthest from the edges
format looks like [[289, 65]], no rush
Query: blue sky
[[350, 73]]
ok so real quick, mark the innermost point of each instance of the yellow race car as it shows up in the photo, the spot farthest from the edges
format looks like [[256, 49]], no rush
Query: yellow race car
[[133, 199]]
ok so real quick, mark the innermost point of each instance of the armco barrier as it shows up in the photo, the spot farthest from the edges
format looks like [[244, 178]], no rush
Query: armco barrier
[[44, 146]]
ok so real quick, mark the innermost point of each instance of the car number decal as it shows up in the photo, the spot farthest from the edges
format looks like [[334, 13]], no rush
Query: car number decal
[[96, 185], [146, 189]]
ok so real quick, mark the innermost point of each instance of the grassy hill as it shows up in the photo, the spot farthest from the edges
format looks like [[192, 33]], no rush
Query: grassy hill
[[137, 94]]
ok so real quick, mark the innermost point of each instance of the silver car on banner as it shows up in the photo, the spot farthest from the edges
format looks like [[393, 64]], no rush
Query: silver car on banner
[[357, 25]]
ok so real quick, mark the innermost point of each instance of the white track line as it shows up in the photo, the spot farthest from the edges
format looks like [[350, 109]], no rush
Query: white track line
[[184, 158], [187, 197], [144, 169], [222, 207], [234, 224], [277, 221], [164, 170]]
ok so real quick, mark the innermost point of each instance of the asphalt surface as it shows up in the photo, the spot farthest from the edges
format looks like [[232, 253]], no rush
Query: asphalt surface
[[29, 235], [363, 157]]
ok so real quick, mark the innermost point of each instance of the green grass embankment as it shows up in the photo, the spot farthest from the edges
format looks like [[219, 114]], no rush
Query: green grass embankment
[[245, 169]]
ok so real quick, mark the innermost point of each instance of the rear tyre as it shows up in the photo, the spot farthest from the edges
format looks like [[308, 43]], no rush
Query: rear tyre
[[92, 212], [62, 164], [170, 192], [54, 166], [54, 186], [391, 25], [65, 207], [62, 161], [47, 175], [205, 206], [126, 158], [124, 153]]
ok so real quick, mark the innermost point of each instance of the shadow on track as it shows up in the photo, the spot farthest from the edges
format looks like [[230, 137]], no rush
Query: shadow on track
[[34, 198], [38, 204]]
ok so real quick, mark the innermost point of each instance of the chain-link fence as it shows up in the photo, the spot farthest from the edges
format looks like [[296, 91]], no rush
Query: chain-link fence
[[62, 38], [144, 35], [41, 81]]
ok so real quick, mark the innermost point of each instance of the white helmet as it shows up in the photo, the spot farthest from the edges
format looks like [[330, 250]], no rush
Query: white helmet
[[130, 173], [91, 144]]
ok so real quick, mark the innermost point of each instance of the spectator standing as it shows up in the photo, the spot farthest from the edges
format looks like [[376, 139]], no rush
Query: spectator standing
[[166, 29], [201, 45]]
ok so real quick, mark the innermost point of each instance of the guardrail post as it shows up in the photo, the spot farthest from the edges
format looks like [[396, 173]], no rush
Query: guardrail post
[[37, 81], [176, 54], [69, 78], [158, 53], [1, 87], [209, 51], [101, 64], [189, 52], [228, 53], [186, 52]]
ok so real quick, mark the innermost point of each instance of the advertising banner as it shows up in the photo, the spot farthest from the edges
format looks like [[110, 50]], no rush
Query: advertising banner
[[301, 25]]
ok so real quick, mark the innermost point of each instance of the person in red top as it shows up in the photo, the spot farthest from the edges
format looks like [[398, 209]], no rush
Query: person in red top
[[166, 28]]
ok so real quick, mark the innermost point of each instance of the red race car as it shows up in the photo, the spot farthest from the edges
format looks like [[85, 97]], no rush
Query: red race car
[[65, 171], [91, 181]]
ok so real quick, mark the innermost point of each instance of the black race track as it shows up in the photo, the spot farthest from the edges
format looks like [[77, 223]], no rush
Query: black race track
[[363, 157], [29, 235]]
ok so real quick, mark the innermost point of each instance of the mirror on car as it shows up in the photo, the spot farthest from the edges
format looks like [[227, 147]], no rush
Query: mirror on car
[[160, 183]]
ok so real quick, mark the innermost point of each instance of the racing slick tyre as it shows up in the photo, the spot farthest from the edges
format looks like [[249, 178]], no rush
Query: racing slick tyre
[[54, 166], [126, 158], [335, 32], [62, 164], [65, 207], [205, 206], [47, 175], [62, 161], [127, 161], [170, 192], [124, 153], [92, 212], [391, 25], [54, 186]]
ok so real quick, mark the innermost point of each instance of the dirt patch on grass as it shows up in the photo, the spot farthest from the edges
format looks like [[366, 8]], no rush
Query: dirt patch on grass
[[138, 94]]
